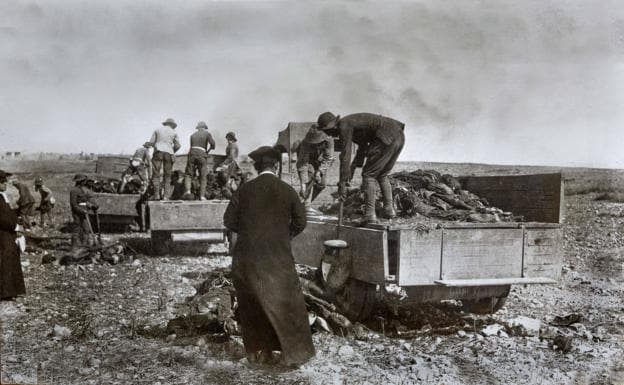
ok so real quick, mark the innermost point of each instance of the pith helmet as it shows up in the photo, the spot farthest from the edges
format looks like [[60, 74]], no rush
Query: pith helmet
[[230, 135], [170, 122], [4, 175], [315, 136], [325, 119], [80, 178]]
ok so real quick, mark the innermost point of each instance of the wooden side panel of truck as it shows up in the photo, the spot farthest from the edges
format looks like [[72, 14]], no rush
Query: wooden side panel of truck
[[456, 258]]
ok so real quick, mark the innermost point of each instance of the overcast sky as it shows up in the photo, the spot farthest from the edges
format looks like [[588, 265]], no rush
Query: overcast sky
[[510, 82]]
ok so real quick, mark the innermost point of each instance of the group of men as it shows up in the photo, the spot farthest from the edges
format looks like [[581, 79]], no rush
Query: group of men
[[266, 213], [153, 162], [379, 141]]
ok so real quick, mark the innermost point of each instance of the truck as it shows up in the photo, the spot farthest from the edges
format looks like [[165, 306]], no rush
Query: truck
[[118, 211], [473, 262]]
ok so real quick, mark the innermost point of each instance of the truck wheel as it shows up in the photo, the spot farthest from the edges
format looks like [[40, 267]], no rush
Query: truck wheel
[[488, 305], [357, 300]]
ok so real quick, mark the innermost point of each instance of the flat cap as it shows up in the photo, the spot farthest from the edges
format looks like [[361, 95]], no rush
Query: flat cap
[[265, 154]]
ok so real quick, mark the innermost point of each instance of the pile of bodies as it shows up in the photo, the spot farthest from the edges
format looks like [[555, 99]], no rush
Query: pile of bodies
[[216, 187], [428, 195]]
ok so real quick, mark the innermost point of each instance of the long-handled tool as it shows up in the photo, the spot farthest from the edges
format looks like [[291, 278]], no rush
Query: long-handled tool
[[97, 223], [340, 213]]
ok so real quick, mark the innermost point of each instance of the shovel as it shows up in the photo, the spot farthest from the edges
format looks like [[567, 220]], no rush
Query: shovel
[[97, 223], [340, 212]]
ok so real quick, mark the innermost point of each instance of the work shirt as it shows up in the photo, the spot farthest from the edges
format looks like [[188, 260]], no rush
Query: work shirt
[[142, 154], [362, 129], [165, 139], [202, 141], [78, 195], [25, 197], [319, 155]]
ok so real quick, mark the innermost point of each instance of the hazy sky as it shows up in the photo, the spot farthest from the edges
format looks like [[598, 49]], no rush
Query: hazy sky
[[527, 82]]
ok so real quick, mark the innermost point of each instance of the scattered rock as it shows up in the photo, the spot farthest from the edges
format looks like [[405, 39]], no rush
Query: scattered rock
[[524, 326], [346, 351], [492, 330], [61, 331]]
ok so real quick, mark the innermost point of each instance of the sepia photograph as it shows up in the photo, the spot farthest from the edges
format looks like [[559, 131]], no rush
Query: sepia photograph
[[331, 192]]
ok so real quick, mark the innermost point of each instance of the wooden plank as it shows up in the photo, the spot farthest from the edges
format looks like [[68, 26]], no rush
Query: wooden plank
[[537, 197], [543, 253], [307, 247], [495, 281], [368, 249], [186, 215], [481, 253], [212, 236], [111, 165], [117, 204], [419, 257], [369, 253]]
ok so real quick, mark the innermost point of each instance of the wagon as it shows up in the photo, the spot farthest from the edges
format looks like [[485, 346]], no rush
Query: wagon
[[473, 262]]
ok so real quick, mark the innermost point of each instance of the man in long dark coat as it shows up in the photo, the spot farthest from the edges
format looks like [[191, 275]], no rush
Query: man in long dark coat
[[266, 213], [380, 140], [11, 277]]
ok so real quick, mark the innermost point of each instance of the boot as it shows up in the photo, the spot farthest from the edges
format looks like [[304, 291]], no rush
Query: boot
[[187, 184], [156, 184], [370, 195], [167, 188], [386, 193]]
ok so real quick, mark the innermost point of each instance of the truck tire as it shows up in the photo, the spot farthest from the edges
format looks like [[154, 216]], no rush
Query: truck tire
[[357, 300], [488, 305]]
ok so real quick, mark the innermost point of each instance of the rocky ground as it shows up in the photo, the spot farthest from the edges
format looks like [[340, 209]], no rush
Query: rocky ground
[[102, 324]]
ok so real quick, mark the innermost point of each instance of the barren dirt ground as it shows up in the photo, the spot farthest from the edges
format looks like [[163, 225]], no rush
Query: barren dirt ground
[[111, 313]]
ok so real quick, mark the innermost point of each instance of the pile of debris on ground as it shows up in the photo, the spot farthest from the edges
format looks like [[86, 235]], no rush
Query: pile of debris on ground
[[212, 311], [97, 253], [426, 195]]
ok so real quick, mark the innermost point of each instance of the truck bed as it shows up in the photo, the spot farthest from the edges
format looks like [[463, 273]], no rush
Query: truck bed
[[454, 253]]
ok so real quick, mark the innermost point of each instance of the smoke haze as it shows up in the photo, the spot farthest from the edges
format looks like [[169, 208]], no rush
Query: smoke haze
[[531, 82]]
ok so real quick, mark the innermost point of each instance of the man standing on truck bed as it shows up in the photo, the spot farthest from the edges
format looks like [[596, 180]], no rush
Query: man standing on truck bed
[[266, 213], [139, 167], [201, 144], [166, 144], [380, 140]]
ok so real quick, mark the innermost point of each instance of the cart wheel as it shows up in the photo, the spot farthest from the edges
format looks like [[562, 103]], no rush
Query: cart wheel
[[357, 300], [488, 305]]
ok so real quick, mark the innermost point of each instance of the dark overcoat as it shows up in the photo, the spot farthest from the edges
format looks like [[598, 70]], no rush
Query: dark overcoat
[[266, 213], [11, 277]]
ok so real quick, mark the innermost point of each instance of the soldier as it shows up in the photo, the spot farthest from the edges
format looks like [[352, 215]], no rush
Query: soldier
[[81, 201], [25, 204], [137, 171], [201, 144], [166, 144], [138, 168], [46, 203], [229, 169], [380, 141], [314, 157]]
